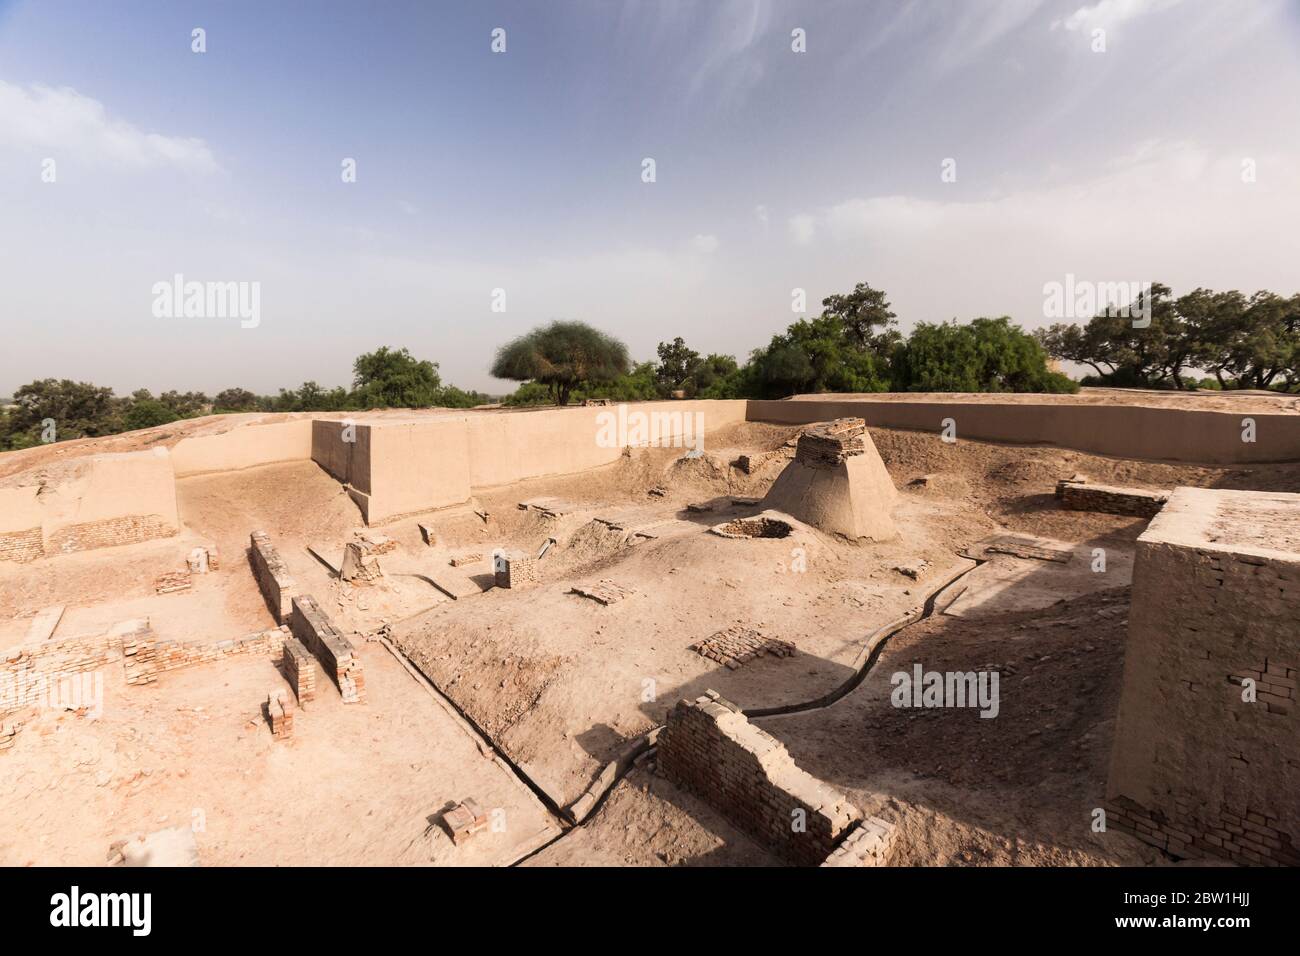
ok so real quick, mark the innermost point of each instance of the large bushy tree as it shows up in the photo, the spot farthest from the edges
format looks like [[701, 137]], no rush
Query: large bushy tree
[[987, 355], [563, 356], [393, 378]]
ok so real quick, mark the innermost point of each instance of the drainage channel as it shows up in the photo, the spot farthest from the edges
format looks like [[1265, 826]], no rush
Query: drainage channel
[[619, 768]]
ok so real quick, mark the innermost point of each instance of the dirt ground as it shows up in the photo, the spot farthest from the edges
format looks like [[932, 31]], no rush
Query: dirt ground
[[561, 684], [357, 784]]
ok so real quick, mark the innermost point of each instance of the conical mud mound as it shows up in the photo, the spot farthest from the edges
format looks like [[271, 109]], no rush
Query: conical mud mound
[[837, 483]]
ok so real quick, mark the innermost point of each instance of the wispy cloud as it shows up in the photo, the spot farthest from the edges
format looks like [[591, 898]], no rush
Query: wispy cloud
[[63, 122], [1106, 14]]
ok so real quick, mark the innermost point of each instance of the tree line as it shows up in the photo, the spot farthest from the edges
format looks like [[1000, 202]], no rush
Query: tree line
[[852, 346], [1240, 341], [384, 378]]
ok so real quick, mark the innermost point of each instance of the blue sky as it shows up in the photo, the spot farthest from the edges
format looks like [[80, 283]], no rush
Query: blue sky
[[522, 171]]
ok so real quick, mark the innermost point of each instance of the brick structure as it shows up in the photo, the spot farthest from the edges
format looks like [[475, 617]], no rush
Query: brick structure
[[146, 656], [300, 669], [128, 529], [871, 844], [22, 545], [515, 570], [739, 645], [837, 483], [711, 749], [279, 714], [30, 674], [1204, 764], [828, 444], [464, 820], [318, 634], [1077, 495], [273, 577]]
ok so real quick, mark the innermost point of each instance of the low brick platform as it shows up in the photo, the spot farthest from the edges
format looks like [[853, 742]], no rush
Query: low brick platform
[[1206, 761], [1079, 495], [709, 748], [317, 632], [739, 645], [273, 577]]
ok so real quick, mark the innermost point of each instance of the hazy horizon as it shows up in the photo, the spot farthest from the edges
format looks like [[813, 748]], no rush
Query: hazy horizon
[[522, 171]]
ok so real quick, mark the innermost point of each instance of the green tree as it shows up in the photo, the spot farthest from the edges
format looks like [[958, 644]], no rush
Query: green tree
[[678, 367], [563, 356], [817, 355], [146, 413], [234, 400], [862, 312], [79, 409], [393, 378], [987, 355]]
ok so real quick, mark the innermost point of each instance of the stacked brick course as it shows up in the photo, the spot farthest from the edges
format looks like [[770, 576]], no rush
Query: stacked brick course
[[739, 645], [827, 444], [871, 844], [516, 571], [127, 529], [147, 657], [1204, 764], [318, 634], [273, 577], [1138, 502], [22, 545], [711, 749], [279, 714], [300, 669]]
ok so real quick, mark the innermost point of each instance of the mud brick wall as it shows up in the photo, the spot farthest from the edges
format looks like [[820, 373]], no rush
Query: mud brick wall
[[517, 571], [300, 669], [870, 844], [146, 657], [21, 545], [318, 634], [1137, 502], [712, 750], [128, 529], [272, 575], [25, 672], [1197, 770]]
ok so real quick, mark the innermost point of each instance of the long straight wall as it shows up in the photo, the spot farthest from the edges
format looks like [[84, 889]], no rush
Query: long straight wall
[[1119, 431], [399, 467]]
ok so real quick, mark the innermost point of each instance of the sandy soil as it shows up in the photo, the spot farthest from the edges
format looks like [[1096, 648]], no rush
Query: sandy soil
[[356, 784]]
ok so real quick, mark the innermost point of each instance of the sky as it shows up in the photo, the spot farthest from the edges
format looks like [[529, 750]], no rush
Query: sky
[[1170, 154]]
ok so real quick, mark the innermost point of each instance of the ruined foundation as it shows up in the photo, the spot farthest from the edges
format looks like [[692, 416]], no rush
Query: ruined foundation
[[273, 576], [711, 749], [318, 634], [1207, 754], [837, 483]]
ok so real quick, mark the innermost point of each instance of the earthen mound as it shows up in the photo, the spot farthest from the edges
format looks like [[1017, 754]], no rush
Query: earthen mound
[[837, 483]]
